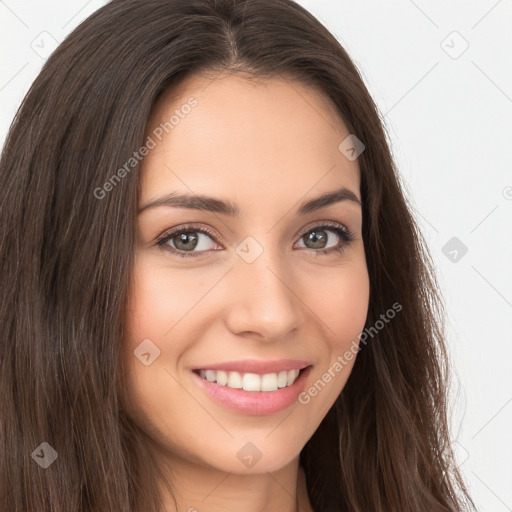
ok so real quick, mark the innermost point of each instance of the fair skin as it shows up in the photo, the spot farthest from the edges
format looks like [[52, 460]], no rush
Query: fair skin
[[267, 146]]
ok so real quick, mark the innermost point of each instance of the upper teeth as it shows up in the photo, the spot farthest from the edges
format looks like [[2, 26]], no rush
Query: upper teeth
[[251, 381]]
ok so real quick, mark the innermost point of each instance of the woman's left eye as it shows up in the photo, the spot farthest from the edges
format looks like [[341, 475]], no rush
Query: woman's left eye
[[192, 242], [320, 238]]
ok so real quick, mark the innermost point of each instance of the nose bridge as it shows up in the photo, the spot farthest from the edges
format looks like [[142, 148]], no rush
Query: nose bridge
[[264, 299]]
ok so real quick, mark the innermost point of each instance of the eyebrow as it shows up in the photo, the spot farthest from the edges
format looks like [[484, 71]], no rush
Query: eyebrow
[[211, 204]]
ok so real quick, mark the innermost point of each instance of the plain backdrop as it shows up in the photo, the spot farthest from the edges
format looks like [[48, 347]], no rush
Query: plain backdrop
[[440, 74]]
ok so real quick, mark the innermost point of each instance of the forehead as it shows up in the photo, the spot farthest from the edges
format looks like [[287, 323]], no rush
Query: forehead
[[228, 134]]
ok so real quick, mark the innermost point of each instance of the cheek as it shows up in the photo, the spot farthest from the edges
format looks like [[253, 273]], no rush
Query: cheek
[[160, 298], [341, 301], [349, 305]]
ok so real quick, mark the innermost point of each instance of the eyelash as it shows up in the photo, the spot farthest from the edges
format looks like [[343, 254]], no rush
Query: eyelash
[[343, 233]]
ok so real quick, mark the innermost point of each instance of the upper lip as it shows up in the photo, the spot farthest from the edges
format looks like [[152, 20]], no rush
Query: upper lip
[[257, 366]]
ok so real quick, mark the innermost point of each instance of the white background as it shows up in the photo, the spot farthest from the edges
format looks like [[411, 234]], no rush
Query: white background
[[448, 113]]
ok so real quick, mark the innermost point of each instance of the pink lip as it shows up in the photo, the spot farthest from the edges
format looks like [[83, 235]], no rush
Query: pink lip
[[255, 366], [254, 402]]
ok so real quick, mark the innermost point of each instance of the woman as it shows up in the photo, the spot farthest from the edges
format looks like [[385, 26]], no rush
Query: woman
[[204, 237]]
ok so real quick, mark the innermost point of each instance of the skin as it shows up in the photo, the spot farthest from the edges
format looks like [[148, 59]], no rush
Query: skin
[[266, 145]]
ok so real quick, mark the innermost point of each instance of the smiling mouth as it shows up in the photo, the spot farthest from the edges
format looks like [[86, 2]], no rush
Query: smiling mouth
[[251, 381]]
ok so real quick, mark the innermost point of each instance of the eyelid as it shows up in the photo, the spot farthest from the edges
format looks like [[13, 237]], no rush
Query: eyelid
[[188, 227], [322, 224]]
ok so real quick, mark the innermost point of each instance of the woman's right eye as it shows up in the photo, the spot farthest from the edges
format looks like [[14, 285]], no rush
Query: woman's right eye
[[187, 242]]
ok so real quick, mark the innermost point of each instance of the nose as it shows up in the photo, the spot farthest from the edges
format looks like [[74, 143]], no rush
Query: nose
[[264, 303]]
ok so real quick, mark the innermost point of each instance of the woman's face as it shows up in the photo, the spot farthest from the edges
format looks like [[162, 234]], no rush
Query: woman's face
[[264, 293]]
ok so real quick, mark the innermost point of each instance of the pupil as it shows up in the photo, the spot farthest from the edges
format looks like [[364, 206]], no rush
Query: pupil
[[319, 241], [184, 240]]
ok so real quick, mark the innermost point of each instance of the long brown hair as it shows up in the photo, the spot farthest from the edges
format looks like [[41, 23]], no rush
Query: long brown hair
[[66, 258]]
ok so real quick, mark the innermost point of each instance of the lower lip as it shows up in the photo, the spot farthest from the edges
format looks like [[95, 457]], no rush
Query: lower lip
[[255, 402]]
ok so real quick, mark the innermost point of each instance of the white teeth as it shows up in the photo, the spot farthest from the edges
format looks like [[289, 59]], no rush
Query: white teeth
[[292, 375], [269, 382], [251, 381], [234, 380], [282, 379], [222, 378]]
